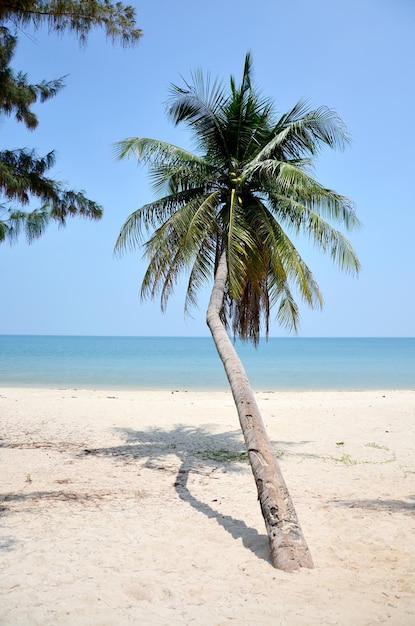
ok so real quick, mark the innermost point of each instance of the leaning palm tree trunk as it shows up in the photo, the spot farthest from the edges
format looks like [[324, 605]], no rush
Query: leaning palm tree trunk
[[289, 550]]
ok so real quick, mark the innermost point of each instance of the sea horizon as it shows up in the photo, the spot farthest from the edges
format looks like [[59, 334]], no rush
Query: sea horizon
[[207, 336], [192, 363]]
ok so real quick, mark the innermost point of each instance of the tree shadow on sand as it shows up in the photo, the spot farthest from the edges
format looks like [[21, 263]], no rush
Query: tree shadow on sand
[[198, 451], [6, 543], [379, 504]]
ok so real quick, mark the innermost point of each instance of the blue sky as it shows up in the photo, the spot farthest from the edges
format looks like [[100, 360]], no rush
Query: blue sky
[[355, 56]]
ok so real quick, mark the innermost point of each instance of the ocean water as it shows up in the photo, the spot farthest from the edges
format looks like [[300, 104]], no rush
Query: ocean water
[[192, 363]]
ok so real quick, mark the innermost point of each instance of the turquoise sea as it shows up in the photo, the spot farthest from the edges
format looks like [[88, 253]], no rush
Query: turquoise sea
[[192, 363]]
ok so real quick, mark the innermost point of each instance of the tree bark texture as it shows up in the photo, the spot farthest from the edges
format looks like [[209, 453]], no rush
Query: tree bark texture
[[289, 550]]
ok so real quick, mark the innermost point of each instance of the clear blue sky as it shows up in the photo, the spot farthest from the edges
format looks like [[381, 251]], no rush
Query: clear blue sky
[[356, 56]]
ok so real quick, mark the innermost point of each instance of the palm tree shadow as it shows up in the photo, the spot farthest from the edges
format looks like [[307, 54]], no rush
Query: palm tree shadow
[[377, 504], [198, 450], [251, 539], [6, 543]]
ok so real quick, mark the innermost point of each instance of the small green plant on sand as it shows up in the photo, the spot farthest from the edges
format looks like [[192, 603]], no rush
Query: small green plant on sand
[[372, 444], [222, 455], [346, 459]]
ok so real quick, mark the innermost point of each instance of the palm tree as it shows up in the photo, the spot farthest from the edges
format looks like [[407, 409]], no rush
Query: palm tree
[[229, 212]]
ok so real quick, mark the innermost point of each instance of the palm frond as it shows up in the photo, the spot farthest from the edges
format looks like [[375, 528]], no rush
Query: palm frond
[[304, 130], [175, 245], [327, 238], [148, 150], [240, 245], [201, 272], [297, 193], [200, 105], [288, 313], [284, 262], [151, 216], [202, 221], [302, 133]]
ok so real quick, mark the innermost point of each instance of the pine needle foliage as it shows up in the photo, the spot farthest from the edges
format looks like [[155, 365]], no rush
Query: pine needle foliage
[[24, 176], [249, 191], [77, 16]]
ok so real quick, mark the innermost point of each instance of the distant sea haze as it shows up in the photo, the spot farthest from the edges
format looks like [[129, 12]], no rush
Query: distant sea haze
[[191, 363]]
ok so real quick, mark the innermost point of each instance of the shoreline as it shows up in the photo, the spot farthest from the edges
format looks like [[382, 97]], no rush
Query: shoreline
[[103, 388], [124, 507]]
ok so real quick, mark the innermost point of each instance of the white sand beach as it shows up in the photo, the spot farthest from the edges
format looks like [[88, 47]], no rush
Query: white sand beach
[[132, 507]]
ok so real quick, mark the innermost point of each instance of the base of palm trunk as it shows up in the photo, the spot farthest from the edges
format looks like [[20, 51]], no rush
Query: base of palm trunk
[[289, 550], [288, 547]]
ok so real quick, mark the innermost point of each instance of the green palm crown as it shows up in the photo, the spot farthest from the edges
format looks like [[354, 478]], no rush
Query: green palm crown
[[247, 191]]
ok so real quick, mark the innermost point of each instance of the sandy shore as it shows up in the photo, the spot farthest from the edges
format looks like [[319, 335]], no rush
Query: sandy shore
[[137, 508]]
